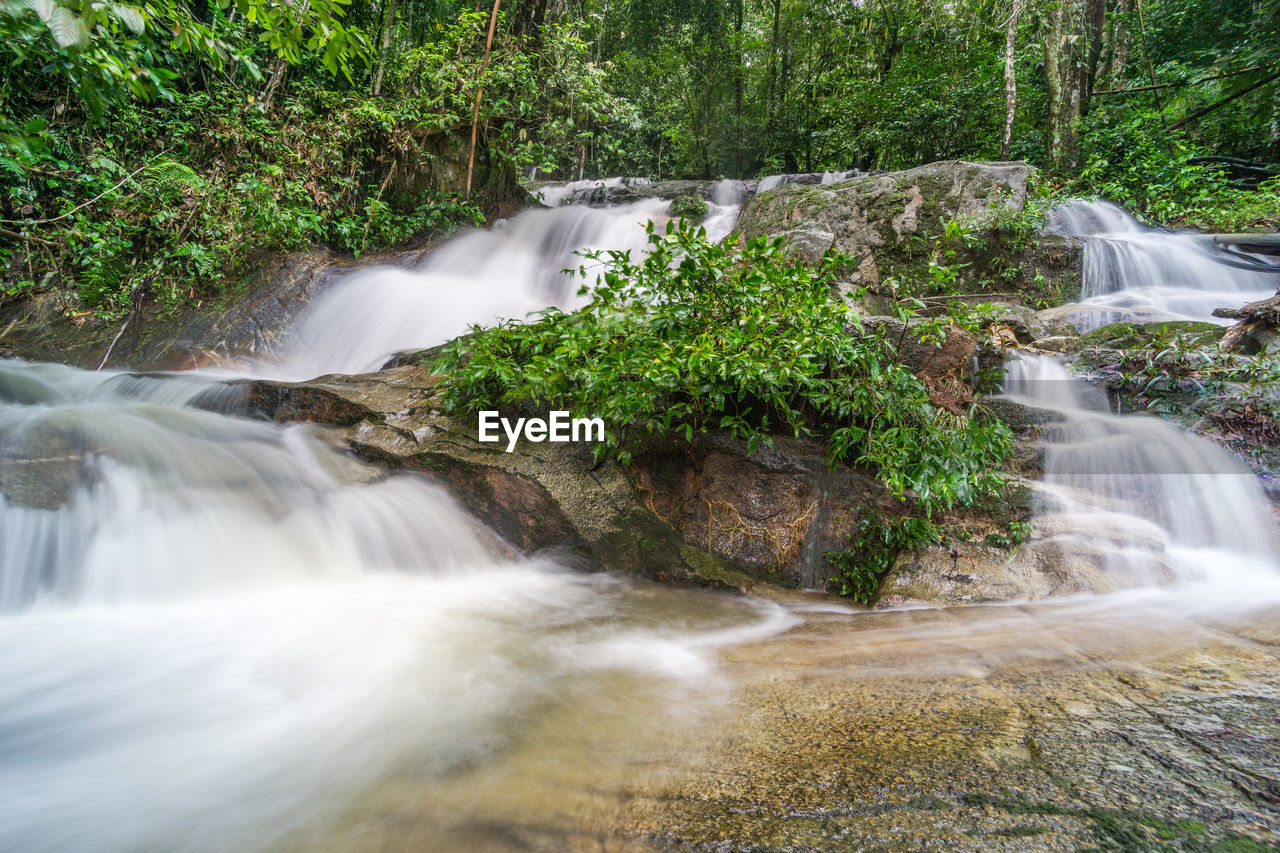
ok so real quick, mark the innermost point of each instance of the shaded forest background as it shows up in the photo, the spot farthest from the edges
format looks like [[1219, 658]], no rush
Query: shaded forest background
[[159, 148]]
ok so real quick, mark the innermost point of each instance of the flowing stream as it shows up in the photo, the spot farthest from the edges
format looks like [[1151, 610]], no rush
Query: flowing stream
[[1155, 505], [220, 634], [215, 632], [1136, 273]]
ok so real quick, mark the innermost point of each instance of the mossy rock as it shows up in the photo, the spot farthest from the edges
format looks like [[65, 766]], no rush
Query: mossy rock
[[1193, 333], [892, 225], [692, 207]]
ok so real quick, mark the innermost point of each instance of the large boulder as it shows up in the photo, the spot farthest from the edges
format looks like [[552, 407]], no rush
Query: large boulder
[[706, 513], [889, 225]]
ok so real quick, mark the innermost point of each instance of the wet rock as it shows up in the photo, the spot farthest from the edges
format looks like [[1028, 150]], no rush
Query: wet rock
[[948, 359], [44, 481], [776, 511], [709, 513], [1058, 343], [976, 574]]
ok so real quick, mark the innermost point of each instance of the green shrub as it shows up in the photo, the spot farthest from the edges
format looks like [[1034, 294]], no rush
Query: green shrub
[[700, 336], [873, 546], [692, 207]]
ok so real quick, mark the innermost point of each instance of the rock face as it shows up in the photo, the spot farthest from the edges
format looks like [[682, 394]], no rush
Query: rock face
[[980, 574], [888, 225], [243, 323], [705, 514]]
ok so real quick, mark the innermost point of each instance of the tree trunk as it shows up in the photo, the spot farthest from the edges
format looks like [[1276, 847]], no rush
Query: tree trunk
[[1010, 78], [737, 90], [278, 69], [1116, 45], [772, 107], [1062, 83], [388, 24], [1095, 23], [475, 115]]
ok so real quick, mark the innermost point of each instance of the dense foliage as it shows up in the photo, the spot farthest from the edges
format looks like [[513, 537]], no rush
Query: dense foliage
[[699, 336], [157, 147], [148, 150]]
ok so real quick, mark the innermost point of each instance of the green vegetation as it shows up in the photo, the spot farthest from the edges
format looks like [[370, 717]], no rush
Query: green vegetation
[[1177, 370], [699, 336], [874, 545], [152, 151], [158, 148], [691, 207], [1114, 829]]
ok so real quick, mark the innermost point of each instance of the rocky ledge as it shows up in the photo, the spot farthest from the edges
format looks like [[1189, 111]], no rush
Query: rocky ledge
[[706, 513]]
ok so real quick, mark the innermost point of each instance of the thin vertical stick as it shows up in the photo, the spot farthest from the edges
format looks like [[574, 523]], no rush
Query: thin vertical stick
[[475, 113], [1010, 79]]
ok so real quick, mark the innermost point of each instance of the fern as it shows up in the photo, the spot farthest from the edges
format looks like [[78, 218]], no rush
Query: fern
[[170, 179], [12, 167]]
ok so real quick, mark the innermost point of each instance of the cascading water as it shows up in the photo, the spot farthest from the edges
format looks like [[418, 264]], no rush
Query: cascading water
[[1137, 274], [772, 182], [216, 633], [554, 195], [726, 203], [1157, 505], [837, 177], [481, 277]]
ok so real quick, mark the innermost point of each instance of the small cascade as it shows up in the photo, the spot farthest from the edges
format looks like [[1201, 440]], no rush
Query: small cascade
[[1133, 273], [1156, 504], [576, 192], [772, 182], [837, 177], [112, 490], [481, 277], [215, 632], [727, 198]]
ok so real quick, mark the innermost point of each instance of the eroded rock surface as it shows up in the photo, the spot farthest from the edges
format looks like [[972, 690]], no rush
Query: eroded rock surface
[[888, 223], [709, 513]]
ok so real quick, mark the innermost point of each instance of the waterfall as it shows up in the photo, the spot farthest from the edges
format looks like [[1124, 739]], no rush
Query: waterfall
[[481, 277], [1135, 273], [772, 182], [555, 195], [1156, 504], [219, 633], [216, 633], [726, 203], [837, 177]]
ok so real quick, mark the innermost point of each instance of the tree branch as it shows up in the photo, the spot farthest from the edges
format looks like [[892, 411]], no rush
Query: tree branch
[[1199, 114]]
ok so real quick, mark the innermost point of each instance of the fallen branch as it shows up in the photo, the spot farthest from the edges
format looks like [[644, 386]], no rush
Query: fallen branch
[[1199, 114], [137, 303], [1256, 318], [122, 182], [27, 237]]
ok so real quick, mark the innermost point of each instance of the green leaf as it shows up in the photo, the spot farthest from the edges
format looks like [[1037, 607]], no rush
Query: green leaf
[[130, 16]]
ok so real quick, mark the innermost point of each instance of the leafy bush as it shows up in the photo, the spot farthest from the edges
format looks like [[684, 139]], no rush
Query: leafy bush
[[1137, 165], [692, 207], [873, 546], [700, 336]]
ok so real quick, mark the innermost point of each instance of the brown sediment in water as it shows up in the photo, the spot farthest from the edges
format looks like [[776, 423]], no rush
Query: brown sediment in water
[[1062, 727]]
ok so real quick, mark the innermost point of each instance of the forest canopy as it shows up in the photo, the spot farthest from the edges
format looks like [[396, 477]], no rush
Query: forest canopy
[[158, 145]]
